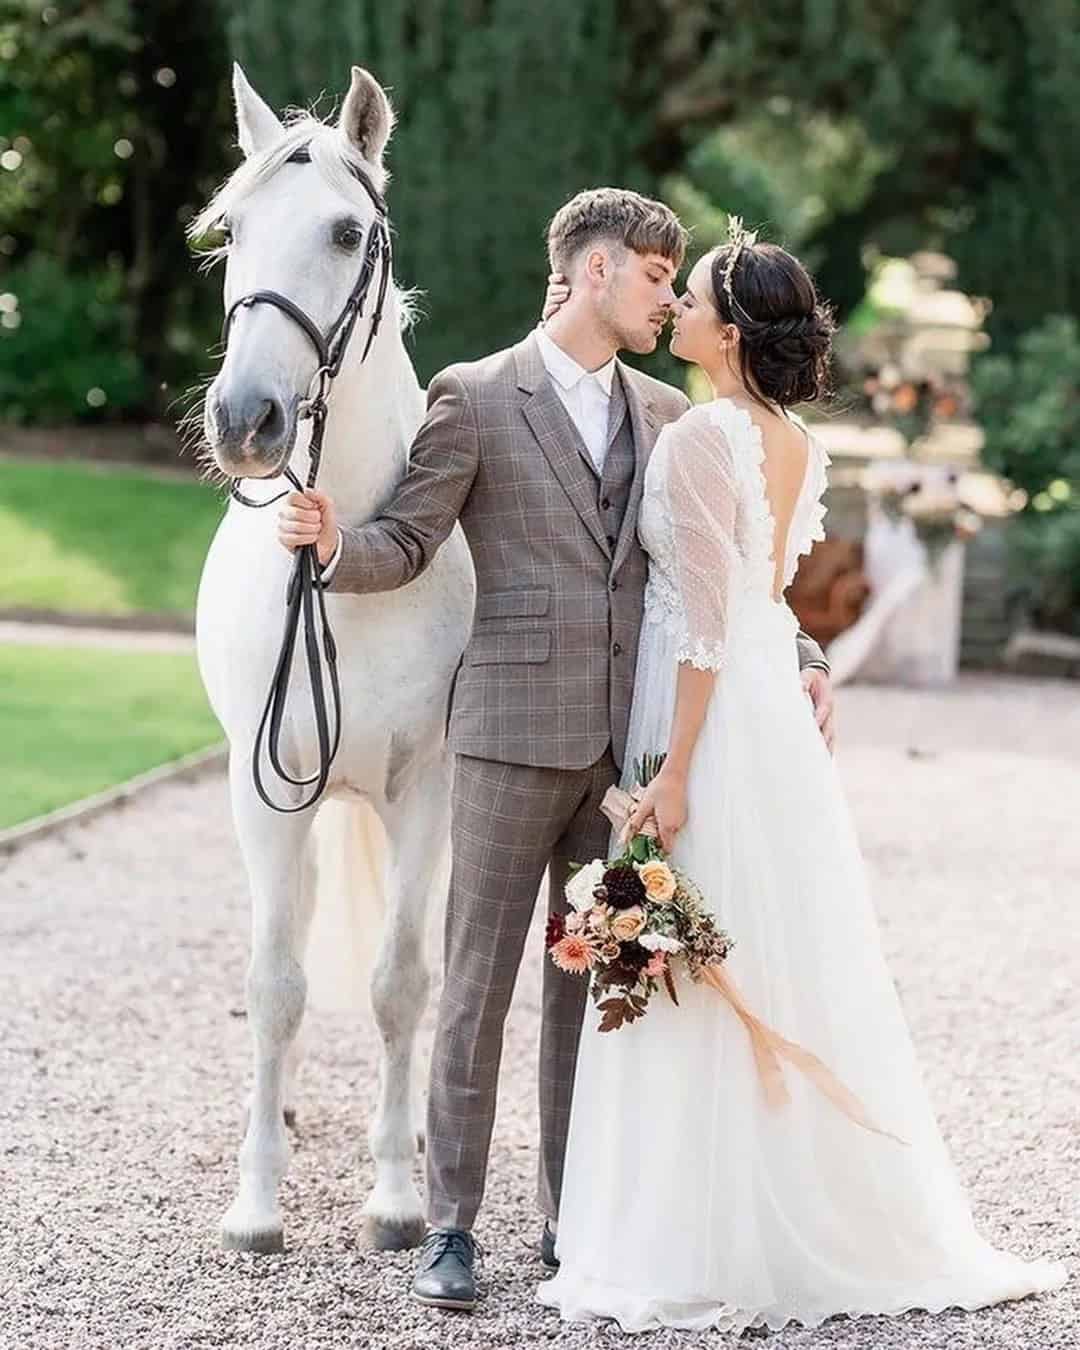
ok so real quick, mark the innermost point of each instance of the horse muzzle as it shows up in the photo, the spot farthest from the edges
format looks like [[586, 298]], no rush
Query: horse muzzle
[[251, 435]]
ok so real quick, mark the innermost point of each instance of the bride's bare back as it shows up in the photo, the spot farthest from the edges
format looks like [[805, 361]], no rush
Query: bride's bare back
[[784, 466]]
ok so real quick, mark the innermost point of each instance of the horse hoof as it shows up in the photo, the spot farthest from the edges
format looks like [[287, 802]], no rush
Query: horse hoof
[[394, 1235], [264, 1236], [263, 1241]]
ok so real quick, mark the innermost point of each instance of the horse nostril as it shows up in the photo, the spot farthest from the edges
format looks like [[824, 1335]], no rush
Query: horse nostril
[[269, 425], [219, 417]]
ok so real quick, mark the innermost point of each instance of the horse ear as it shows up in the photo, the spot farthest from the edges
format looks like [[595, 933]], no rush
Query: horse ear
[[367, 118], [257, 125]]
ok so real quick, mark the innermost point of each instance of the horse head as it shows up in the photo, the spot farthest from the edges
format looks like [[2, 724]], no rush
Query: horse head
[[297, 217]]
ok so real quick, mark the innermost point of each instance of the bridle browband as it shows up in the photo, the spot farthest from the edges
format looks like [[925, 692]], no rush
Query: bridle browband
[[305, 588]]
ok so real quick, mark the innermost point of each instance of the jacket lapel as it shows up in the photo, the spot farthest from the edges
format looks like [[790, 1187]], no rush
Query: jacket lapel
[[646, 428], [553, 429]]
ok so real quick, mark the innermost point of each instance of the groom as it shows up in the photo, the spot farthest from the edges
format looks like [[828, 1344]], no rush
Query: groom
[[540, 452]]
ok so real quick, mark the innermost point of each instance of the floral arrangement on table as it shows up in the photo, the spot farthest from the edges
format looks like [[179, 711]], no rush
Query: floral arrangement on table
[[927, 495], [632, 917], [914, 405]]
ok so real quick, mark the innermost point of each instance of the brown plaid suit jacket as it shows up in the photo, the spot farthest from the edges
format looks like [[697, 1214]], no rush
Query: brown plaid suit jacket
[[547, 677]]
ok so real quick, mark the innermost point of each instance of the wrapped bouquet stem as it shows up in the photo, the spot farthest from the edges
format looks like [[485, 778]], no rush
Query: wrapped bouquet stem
[[636, 922]]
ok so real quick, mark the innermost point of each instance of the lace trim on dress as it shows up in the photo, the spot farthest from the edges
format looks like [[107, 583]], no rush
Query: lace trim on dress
[[812, 531], [760, 526], [700, 654], [807, 525]]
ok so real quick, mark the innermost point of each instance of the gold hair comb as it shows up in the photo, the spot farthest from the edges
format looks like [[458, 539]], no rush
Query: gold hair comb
[[738, 239]]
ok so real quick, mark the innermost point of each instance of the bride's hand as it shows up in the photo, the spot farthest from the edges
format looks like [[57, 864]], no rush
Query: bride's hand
[[557, 294], [665, 800]]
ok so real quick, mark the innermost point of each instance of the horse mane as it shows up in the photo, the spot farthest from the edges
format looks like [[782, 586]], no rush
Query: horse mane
[[331, 154]]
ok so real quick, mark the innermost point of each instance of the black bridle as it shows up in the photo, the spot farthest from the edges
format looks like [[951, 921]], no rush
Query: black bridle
[[305, 589]]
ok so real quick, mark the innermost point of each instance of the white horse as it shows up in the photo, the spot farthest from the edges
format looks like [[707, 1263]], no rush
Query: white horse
[[300, 229]]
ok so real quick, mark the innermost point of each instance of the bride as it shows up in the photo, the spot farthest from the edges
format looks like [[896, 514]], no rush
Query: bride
[[688, 1201]]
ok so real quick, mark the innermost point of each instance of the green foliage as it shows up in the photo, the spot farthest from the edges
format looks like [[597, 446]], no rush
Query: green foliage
[[966, 117], [1029, 405], [1045, 561], [101, 541], [76, 720], [71, 354], [115, 122]]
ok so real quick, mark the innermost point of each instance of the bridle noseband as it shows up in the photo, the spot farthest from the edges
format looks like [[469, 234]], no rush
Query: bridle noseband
[[305, 585]]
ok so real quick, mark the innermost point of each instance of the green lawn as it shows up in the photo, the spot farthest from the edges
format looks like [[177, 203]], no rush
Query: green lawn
[[101, 541], [74, 720]]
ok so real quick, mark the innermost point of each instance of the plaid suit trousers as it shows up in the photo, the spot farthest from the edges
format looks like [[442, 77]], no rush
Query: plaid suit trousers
[[510, 822]]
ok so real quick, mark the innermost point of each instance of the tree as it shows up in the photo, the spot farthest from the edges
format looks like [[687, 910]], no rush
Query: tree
[[113, 122]]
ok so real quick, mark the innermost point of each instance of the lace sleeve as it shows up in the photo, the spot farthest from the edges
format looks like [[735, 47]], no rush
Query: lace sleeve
[[702, 498]]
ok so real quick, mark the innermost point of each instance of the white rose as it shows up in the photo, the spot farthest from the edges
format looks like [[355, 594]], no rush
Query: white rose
[[657, 942], [580, 887]]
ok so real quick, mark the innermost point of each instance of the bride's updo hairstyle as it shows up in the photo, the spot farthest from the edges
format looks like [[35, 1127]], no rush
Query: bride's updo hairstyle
[[785, 331]]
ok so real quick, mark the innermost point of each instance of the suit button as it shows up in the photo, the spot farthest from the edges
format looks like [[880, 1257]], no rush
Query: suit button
[[613, 584], [616, 649], [605, 504]]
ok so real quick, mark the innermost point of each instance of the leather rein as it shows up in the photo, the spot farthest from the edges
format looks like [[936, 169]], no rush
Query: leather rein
[[305, 593]]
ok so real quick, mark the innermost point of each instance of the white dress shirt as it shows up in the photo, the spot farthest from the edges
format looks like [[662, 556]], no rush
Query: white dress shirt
[[586, 396]]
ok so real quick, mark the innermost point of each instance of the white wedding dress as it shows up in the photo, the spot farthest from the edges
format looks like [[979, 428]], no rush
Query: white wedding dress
[[687, 1200]]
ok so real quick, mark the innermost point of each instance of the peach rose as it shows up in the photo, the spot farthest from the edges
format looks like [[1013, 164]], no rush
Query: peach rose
[[628, 923], [658, 880]]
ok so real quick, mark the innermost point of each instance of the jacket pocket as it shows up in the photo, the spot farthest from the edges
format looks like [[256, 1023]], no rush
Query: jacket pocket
[[497, 649], [526, 602]]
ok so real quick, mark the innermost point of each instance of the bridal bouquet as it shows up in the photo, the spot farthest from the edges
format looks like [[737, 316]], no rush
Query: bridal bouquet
[[632, 917]]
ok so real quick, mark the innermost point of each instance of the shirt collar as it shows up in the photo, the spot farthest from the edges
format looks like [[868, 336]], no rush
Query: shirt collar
[[564, 370]]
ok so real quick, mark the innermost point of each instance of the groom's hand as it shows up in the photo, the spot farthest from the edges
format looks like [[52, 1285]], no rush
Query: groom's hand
[[817, 684], [309, 518]]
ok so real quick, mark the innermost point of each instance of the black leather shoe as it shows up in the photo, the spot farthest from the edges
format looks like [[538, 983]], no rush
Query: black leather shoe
[[547, 1247], [444, 1270]]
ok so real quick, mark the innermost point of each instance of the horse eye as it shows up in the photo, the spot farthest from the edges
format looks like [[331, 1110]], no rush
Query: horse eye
[[349, 237]]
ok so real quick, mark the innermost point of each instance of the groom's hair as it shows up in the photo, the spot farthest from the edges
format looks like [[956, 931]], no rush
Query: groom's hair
[[615, 215]]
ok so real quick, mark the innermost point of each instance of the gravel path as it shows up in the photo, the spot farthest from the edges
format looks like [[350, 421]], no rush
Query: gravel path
[[123, 1061], [86, 635]]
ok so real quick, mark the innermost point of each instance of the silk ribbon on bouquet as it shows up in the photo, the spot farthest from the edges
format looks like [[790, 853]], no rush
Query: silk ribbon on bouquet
[[769, 1047]]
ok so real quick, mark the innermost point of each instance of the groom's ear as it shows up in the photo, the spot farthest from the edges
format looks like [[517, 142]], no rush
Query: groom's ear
[[597, 265]]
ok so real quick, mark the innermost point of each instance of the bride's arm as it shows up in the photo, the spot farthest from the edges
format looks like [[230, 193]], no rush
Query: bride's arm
[[702, 495], [665, 797]]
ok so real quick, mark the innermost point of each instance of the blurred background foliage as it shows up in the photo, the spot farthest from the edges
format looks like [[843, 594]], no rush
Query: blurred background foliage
[[850, 130]]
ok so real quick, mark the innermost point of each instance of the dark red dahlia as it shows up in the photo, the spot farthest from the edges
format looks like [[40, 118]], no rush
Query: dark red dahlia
[[556, 930], [624, 888]]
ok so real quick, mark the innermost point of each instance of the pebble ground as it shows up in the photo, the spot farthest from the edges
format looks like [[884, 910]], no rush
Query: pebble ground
[[124, 1061]]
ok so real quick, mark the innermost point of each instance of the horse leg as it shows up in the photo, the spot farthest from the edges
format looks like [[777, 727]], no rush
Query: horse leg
[[417, 827], [274, 851], [306, 908]]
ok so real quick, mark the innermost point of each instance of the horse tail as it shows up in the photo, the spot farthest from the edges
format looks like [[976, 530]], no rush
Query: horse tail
[[348, 853]]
